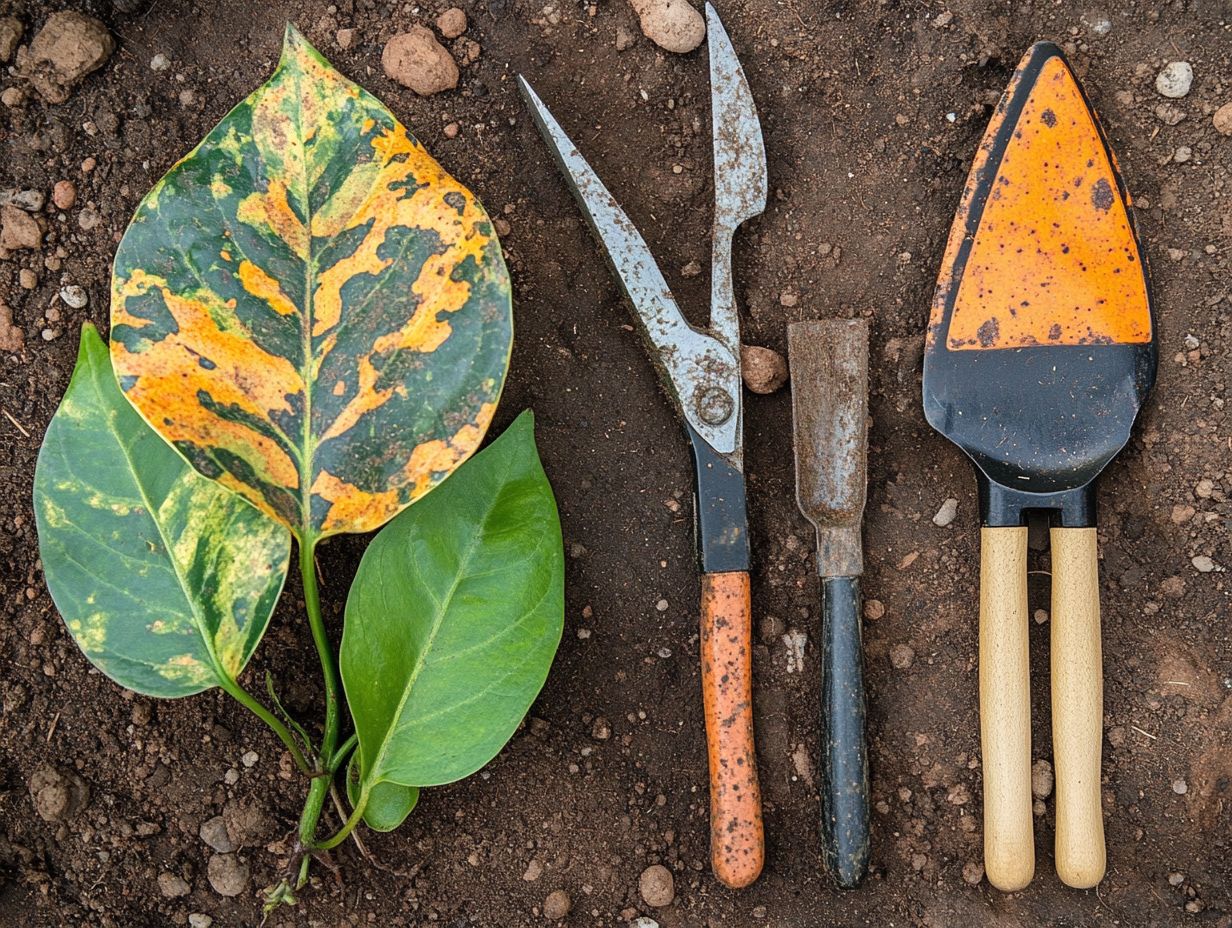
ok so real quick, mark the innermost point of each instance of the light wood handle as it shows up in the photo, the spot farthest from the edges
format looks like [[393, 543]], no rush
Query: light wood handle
[[1005, 708], [737, 846], [1077, 706]]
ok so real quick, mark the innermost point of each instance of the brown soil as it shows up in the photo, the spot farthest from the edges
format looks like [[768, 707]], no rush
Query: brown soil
[[866, 166]]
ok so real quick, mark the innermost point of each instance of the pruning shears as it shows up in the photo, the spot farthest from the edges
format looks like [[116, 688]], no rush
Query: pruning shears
[[701, 371]]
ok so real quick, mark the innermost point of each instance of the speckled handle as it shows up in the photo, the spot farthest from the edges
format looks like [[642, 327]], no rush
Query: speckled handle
[[737, 847], [844, 821]]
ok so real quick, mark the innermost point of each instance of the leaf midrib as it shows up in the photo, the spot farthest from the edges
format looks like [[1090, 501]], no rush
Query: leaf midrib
[[438, 621]]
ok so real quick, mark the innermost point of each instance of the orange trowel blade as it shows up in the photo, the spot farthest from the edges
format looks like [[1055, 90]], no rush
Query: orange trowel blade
[[1040, 343]]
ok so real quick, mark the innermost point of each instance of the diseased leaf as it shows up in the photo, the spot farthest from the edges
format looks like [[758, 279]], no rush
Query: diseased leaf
[[166, 580], [310, 309], [454, 618]]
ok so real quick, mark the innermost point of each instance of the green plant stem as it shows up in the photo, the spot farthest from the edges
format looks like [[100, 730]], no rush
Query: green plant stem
[[347, 827], [341, 752], [247, 700], [319, 789]]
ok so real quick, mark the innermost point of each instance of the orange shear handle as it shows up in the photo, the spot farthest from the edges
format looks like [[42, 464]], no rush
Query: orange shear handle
[[737, 845]]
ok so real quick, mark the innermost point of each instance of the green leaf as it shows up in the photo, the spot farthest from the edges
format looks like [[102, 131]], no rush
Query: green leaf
[[388, 804], [453, 620], [310, 309], [165, 579]]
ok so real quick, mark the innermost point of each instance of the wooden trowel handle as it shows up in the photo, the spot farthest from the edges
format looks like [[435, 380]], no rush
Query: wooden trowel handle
[[737, 847], [1005, 708], [1077, 706]]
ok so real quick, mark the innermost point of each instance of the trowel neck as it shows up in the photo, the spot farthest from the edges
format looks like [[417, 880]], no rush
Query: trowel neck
[[1002, 506]]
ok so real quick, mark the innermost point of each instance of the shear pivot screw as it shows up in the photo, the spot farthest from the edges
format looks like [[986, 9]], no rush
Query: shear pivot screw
[[715, 406]]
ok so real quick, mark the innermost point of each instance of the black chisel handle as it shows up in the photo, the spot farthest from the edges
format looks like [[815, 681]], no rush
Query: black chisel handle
[[844, 822]]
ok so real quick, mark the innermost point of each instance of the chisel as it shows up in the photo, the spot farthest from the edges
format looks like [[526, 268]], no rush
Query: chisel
[[829, 376]]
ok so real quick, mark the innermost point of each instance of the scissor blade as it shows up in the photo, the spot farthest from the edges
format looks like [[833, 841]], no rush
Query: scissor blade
[[689, 360], [739, 152]]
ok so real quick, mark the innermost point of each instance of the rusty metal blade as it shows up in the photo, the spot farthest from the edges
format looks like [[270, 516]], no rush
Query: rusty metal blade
[[693, 364], [739, 172], [829, 394]]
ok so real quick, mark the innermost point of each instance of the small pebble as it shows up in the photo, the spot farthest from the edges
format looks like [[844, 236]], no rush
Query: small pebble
[[27, 278], [1203, 564], [673, 25], [451, 23], [973, 871], [534, 870], [1097, 21], [1180, 787], [250, 758], [88, 218], [1176, 878], [74, 297], [415, 59], [1175, 79], [902, 656], [88, 165], [12, 97], [214, 833], [345, 38], [661, 605], [173, 886], [64, 194], [763, 369], [160, 62], [945, 515], [643, 921], [1223, 119], [601, 730], [228, 874], [657, 886], [1041, 616], [1042, 779], [873, 609], [451, 130], [1182, 154], [557, 905], [200, 920]]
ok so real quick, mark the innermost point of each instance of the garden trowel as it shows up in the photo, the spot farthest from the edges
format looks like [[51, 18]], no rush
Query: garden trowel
[[829, 397], [1040, 351]]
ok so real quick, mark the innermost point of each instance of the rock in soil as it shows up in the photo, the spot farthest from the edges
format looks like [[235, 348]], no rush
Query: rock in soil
[[18, 229], [451, 23], [973, 871], [58, 796], [657, 886], [945, 515], [228, 874], [902, 656], [68, 47], [673, 25], [1175, 80], [12, 339], [200, 920], [1041, 779], [10, 34], [173, 886], [64, 194], [415, 59], [1223, 119], [557, 905], [764, 370], [214, 833]]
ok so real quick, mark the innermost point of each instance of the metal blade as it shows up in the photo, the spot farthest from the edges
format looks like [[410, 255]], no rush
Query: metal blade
[[739, 172], [829, 395], [695, 366]]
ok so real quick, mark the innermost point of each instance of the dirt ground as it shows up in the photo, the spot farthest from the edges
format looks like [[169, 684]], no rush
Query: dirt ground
[[872, 112]]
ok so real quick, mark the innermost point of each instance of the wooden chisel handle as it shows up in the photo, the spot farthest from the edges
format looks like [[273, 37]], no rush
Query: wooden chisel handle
[[844, 822], [1005, 708], [1077, 706], [737, 846]]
